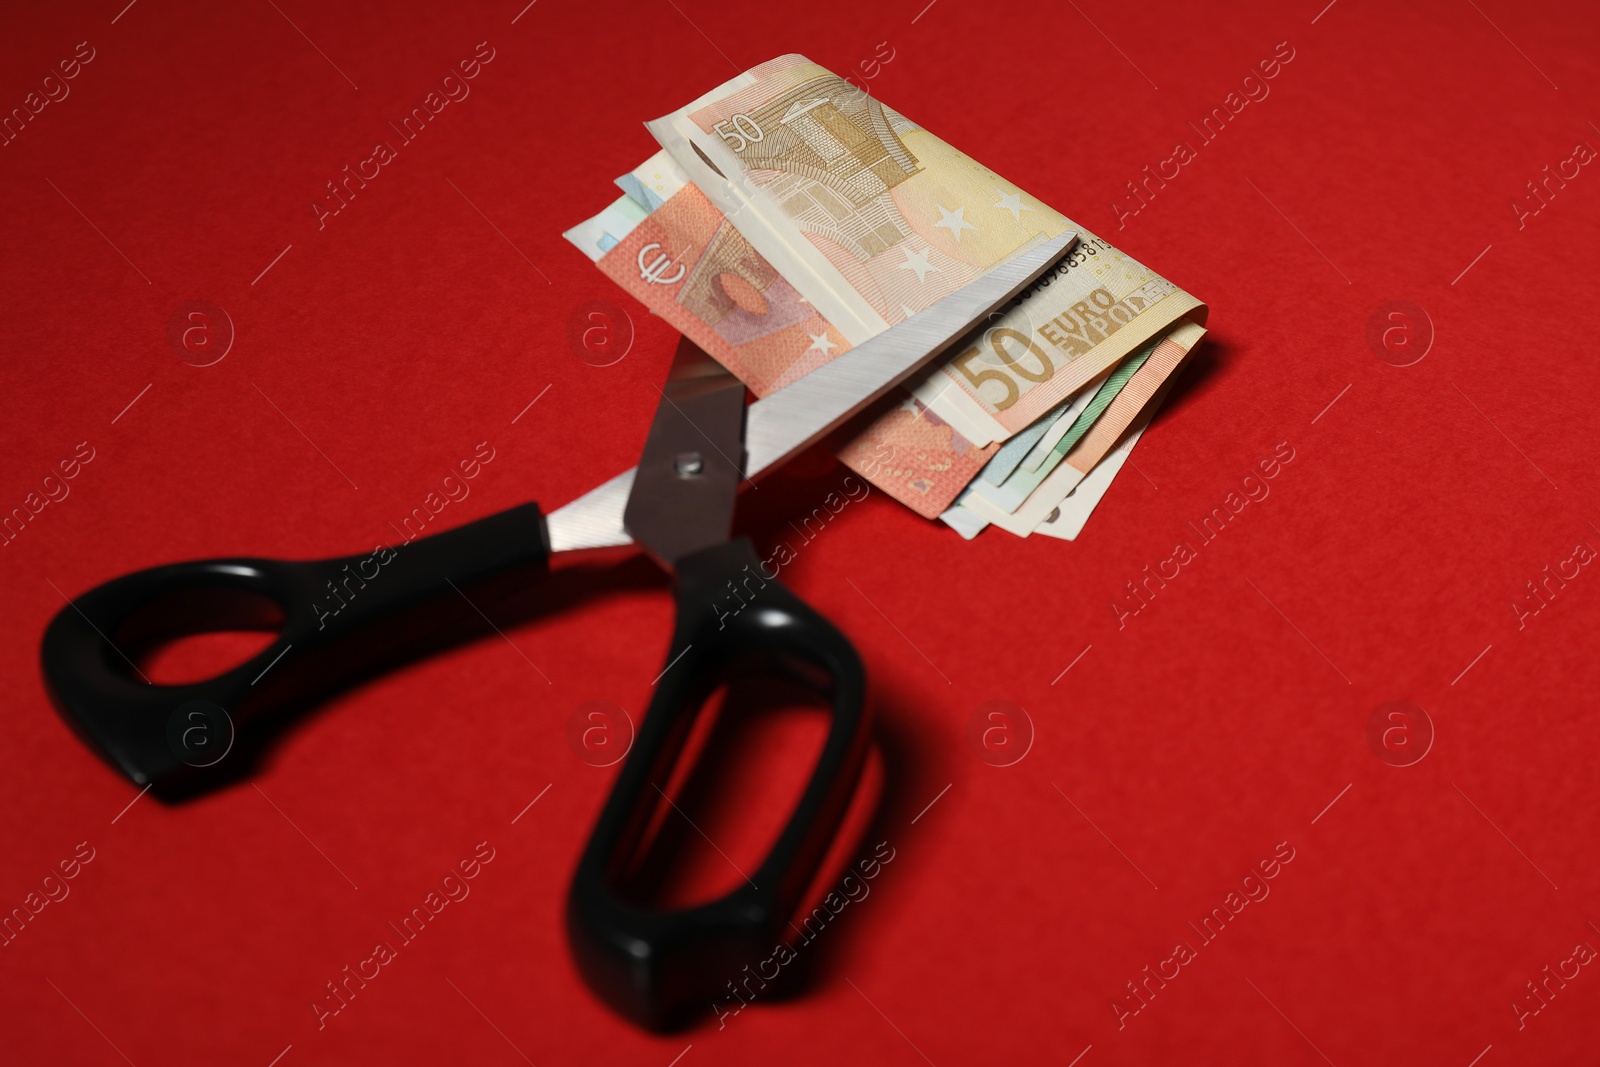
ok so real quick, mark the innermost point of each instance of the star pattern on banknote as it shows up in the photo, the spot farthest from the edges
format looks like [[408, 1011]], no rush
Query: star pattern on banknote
[[918, 262], [821, 343], [954, 221], [1012, 202]]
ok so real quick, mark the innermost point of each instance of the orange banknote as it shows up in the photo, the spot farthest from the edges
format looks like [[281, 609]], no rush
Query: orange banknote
[[687, 263]]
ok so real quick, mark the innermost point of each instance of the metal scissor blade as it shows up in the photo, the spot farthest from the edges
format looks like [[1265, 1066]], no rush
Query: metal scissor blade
[[594, 520], [781, 425], [688, 475]]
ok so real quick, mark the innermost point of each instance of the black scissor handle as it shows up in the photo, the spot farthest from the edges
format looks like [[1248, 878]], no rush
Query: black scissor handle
[[341, 619], [654, 966]]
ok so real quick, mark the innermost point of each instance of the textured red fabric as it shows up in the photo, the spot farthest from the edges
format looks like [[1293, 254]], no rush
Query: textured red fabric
[[1218, 730]]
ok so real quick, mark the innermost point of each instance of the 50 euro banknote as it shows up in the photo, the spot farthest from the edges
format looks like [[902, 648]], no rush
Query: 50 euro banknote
[[668, 245], [871, 218], [1027, 498]]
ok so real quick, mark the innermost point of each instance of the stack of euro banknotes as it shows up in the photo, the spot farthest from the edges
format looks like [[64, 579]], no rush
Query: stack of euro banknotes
[[789, 216]]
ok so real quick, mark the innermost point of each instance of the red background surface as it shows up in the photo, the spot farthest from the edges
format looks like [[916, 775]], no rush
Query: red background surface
[[1221, 720]]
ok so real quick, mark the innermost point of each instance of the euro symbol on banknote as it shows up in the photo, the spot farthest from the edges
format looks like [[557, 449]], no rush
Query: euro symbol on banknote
[[656, 272]]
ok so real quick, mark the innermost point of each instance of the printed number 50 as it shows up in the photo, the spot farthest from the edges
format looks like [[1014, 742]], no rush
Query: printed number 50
[[746, 132], [1046, 371]]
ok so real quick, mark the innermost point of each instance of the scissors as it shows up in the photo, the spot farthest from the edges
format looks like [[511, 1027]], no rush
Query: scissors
[[649, 965]]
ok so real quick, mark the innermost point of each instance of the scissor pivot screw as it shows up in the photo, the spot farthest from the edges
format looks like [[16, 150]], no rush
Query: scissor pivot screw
[[689, 465]]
